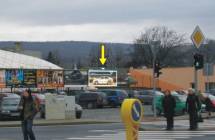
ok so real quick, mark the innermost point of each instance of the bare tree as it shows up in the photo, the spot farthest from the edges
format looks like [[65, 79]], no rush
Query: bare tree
[[144, 49]]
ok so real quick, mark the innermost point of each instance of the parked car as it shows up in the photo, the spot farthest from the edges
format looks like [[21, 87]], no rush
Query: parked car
[[103, 80], [91, 100], [132, 93], [75, 93], [145, 96], [180, 108], [9, 107], [212, 98], [115, 97]]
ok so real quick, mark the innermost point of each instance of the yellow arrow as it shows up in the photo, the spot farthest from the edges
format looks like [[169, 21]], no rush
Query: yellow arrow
[[103, 59]]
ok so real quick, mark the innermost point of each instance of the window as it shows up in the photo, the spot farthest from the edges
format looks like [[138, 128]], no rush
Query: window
[[209, 86]]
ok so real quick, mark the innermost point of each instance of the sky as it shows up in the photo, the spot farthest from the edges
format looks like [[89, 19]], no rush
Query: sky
[[119, 21]]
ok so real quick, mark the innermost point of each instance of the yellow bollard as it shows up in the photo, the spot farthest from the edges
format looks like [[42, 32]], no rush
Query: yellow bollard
[[132, 113]]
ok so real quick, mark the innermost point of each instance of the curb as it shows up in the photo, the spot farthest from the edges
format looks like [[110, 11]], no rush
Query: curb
[[18, 124]]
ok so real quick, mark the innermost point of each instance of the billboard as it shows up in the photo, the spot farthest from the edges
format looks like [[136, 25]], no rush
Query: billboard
[[30, 78], [49, 79], [75, 77], [14, 78], [2, 79], [102, 78]]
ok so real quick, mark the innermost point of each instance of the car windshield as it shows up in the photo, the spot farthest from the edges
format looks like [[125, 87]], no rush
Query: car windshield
[[10, 102]]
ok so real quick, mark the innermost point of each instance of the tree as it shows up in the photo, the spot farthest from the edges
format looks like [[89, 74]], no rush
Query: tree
[[157, 41], [53, 57], [207, 50]]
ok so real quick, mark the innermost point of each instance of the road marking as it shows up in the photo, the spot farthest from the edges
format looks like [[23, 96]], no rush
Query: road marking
[[86, 138], [148, 135], [103, 131]]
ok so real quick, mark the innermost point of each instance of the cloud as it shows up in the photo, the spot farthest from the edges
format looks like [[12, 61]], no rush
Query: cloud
[[101, 20]]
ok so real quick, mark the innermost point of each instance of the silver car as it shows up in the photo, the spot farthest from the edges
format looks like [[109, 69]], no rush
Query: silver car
[[10, 107]]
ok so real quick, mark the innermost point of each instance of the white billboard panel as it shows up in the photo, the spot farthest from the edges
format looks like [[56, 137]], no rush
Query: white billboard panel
[[102, 78]]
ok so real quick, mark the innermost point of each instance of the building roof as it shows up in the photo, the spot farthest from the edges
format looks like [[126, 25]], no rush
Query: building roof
[[11, 60]]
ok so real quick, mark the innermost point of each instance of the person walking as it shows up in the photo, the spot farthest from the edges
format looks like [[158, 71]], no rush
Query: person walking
[[169, 105], [193, 106], [29, 109]]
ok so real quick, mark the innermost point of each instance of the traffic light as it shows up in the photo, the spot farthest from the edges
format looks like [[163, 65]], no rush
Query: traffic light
[[198, 61], [157, 69]]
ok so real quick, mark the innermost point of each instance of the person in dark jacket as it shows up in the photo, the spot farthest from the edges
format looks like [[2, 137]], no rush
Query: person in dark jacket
[[28, 111], [193, 106], [169, 105]]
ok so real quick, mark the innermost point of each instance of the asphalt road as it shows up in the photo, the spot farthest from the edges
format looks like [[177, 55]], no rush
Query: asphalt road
[[101, 132], [110, 113]]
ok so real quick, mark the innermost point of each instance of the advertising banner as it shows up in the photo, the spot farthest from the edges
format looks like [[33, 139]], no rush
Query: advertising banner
[[102, 78], [49, 79], [2, 79], [30, 78], [14, 78]]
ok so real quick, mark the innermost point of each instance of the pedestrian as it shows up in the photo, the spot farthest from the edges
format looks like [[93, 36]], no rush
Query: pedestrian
[[29, 109], [169, 105], [209, 105], [193, 106]]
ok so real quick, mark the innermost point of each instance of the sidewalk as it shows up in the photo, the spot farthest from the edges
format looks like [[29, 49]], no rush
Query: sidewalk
[[55, 122]]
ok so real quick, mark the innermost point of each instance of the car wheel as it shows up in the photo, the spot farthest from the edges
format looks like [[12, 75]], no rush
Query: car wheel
[[100, 106], [78, 114]]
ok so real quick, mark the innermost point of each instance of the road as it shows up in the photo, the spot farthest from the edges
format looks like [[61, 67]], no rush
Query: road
[[102, 132], [110, 113]]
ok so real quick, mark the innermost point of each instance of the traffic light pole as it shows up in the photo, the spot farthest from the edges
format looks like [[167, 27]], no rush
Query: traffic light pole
[[154, 90], [196, 80]]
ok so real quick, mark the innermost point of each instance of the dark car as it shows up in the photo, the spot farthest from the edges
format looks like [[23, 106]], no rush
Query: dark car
[[115, 97], [92, 99], [145, 96], [75, 93]]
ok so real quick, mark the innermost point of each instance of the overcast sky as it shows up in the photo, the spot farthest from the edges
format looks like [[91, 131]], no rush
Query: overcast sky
[[101, 20]]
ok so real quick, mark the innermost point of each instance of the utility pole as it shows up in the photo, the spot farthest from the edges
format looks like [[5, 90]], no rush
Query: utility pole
[[154, 88]]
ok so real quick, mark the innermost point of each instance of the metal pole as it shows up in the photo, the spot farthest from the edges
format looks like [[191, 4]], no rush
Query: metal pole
[[207, 88], [196, 80], [154, 89]]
